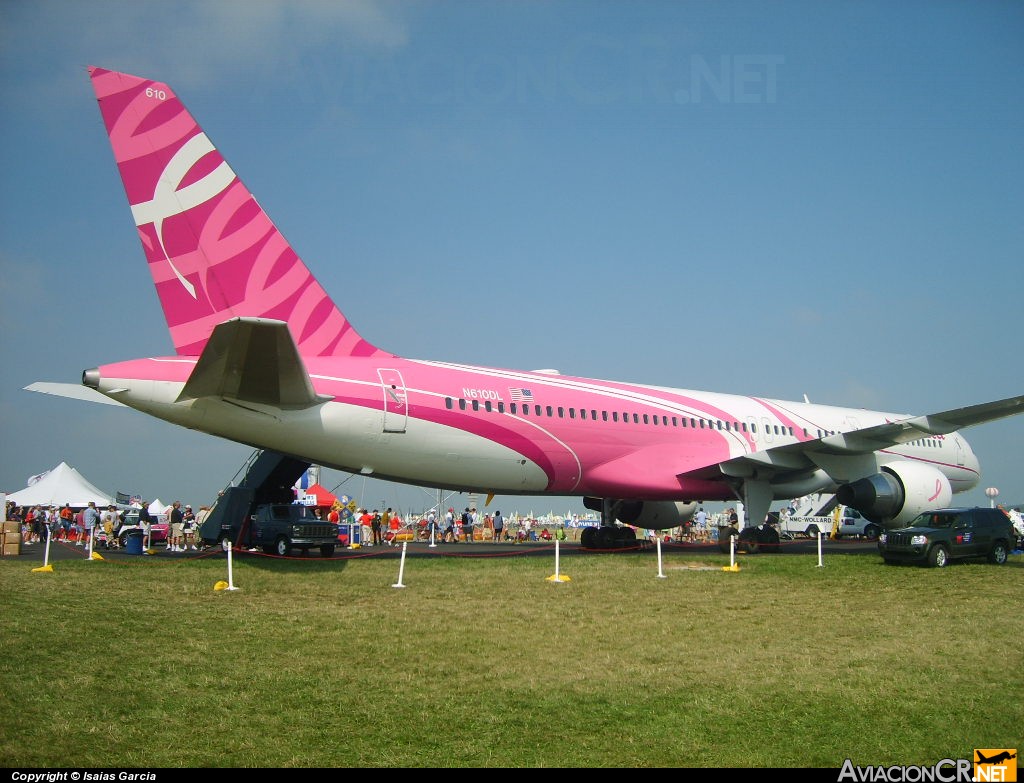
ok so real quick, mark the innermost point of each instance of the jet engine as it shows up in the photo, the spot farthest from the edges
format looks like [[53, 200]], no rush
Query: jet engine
[[898, 494]]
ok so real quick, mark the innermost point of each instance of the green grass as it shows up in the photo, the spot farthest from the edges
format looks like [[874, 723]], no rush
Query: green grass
[[484, 662]]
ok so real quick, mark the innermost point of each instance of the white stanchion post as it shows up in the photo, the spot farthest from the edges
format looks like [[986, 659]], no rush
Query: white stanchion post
[[401, 567], [733, 565], [820, 563], [46, 554], [231, 573], [432, 529], [88, 549], [557, 577], [661, 574]]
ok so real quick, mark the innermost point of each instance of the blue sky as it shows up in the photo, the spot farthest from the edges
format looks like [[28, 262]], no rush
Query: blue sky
[[774, 199]]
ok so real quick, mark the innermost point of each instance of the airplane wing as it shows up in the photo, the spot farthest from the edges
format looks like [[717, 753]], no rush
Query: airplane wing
[[252, 360], [75, 391], [798, 456]]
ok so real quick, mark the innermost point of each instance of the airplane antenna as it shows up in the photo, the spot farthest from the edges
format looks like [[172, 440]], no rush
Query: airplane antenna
[[805, 399]]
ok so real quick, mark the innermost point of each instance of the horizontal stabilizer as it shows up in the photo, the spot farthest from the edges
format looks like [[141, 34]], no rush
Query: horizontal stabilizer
[[252, 360], [73, 390]]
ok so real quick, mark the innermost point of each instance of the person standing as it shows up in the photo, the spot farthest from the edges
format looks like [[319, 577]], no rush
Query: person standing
[[146, 523], [67, 522], [375, 524], [432, 525], [701, 519], [109, 520], [188, 528], [177, 520], [90, 519], [394, 526], [204, 512], [365, 527], [499, 526]]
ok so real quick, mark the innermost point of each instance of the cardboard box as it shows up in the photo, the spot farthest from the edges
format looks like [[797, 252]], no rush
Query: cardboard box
[[12, 526], [12, 538], [12, 549]]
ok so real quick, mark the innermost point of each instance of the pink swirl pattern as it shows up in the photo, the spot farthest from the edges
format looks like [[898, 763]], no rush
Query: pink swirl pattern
[[213, 253]]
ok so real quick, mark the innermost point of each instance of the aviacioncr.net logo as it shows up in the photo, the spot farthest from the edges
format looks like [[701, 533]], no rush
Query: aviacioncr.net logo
[[995, 765]]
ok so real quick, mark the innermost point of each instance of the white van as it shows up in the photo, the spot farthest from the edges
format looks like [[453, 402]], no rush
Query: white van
[[853, 525]]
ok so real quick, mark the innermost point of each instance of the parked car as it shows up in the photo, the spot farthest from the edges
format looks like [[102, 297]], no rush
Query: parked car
[[158, 530], [852, 524], [934, 538]]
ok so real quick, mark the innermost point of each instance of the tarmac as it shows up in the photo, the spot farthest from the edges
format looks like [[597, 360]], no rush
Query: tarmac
[[65, 551]]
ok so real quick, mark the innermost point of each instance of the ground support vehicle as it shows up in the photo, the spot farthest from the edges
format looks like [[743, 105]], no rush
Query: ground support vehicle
[[802, 527], [275, 527]]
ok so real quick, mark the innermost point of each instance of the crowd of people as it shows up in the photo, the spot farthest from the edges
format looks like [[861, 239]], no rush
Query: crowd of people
[[103, 526]]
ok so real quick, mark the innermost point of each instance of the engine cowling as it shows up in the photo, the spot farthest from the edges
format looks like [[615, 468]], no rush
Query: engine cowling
[[655, 514], [897, 494]]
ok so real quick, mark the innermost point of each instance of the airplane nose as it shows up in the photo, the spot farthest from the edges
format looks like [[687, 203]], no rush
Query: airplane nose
[[91, 378]]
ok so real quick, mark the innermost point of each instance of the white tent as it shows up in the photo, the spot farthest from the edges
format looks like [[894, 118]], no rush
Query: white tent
[[157, 508], [61, 485]]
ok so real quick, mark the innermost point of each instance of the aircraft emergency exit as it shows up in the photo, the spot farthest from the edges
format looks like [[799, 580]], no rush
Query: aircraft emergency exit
[[264, 357]]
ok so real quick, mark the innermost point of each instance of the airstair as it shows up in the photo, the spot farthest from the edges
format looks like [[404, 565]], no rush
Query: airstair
[[266, 477]]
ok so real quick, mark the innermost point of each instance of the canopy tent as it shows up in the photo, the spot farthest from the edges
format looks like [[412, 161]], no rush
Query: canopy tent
[[317, 496], [61, 485], [158, 508]]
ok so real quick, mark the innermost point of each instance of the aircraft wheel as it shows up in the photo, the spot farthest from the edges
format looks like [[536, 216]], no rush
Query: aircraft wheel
[[588, 538], [607, 538], [724, 539], [768, 538], [748, 540]]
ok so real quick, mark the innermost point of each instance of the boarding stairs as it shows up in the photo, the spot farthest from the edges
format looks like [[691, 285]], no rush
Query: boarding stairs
[[266, 477]]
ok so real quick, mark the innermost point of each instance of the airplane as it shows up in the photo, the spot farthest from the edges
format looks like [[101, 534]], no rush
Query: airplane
[[264, 357], [996, 759]]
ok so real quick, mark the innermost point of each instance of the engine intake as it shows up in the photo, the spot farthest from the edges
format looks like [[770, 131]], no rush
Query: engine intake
[[897, 494]]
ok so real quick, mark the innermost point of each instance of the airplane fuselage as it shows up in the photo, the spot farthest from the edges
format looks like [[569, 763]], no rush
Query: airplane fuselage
[[513, 432]]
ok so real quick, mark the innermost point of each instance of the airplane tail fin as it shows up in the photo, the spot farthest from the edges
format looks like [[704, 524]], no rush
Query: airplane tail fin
[[213, 252]]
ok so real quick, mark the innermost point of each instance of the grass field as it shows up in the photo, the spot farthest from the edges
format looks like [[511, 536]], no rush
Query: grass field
[[485, 662]]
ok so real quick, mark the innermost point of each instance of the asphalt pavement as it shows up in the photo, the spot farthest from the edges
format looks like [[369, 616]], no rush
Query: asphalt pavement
[[64, 551]]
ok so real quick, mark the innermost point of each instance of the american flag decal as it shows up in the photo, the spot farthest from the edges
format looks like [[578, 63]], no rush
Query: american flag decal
[[520, 395]]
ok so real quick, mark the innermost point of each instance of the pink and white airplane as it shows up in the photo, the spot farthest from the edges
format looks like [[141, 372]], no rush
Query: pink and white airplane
[[264, 357]]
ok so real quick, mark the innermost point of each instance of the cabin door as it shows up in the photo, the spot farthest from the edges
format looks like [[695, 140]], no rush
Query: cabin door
[[396, 407]]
